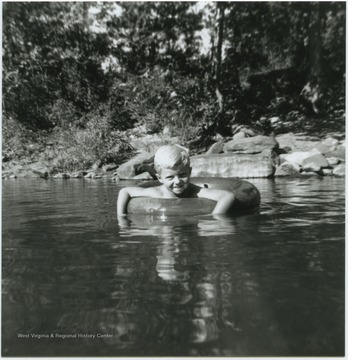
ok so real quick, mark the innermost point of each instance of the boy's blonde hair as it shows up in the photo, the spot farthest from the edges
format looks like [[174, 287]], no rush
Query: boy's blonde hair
[[170, 156]]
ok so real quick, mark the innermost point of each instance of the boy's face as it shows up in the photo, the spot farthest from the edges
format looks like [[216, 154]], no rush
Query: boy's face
[[176, 180]]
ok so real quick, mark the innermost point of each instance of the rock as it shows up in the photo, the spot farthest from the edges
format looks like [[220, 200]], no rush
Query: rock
[[309, 173], [252, 145], [40, 174], [90, 175], [77, 175], [96, 165], [314, 163], [25, 173], [339, 170], [285, 150], [311, 167], [330, 142], [13, 176], [109, 167], [216, 148], [274, 119], [281, 159], [339, 152], [218, 137], [234, 165], [295, 142], [287, 169], [61, 176], [40, 168], [322, 148], [239, 136], [333, 161], [296, 157], [327, 172], [128, 169], [150, 168], [12, 165], [343, 143], [143, 176], [250, 132]]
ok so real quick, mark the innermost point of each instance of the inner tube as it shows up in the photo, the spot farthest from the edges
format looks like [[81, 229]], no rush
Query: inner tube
[[247, 198]]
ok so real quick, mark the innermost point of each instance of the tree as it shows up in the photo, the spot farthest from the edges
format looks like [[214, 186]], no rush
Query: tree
[[49, 55], [313, 91]]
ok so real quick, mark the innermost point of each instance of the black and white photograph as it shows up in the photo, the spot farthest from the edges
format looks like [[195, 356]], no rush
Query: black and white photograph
[[173, 179]]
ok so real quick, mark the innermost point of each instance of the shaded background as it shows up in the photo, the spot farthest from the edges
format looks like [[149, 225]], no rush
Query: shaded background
[[76, 76]]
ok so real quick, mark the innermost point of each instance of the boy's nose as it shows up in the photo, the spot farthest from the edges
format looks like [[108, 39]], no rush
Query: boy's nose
[[177, 180]]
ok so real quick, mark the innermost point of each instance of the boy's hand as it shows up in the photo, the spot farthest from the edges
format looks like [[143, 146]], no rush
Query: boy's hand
[[127, 193], [224, 199], [123, 221], [224, 203], [122, 201]]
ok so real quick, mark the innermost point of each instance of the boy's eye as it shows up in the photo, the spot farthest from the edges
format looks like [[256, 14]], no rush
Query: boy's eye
[[183, 175], [169, 177]]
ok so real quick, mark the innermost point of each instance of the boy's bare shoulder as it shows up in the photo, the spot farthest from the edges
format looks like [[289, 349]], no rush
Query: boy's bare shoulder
[[156, 191]]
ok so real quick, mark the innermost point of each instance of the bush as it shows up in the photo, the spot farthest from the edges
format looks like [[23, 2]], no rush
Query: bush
[[157, 101], [18, 142], [96, 143]]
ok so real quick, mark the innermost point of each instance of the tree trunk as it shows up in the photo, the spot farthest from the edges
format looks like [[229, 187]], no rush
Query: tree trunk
[[313, 91], [217, 58]]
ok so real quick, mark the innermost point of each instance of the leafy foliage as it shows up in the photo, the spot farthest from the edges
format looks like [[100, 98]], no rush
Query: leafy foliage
[[49, 56], [94, 144], [87, 71]]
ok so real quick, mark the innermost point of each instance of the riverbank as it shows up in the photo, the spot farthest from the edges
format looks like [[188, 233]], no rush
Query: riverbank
[[246, 154]]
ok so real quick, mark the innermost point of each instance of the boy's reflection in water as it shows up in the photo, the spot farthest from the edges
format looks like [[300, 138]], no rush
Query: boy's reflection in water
[[194, 304]]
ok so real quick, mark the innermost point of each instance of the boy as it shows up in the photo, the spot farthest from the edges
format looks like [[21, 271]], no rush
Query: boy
[[172, 164]]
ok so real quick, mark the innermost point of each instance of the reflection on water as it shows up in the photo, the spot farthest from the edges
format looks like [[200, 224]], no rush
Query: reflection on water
[[269, 283]]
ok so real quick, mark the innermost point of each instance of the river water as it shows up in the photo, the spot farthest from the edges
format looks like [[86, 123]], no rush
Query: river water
[[269, 283]]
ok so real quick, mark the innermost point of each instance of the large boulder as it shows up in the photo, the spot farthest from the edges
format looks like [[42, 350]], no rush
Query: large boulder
[[27, 173], [234, 165], [143, 176], [251, 145], [295, 142], [33, 170], [41, 169], [216, 148], [296, 157], [148, 168], [315, 163], [132, 167]]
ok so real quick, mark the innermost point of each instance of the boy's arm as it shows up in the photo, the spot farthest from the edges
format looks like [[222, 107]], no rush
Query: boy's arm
[[224, 199], [127, 193]]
